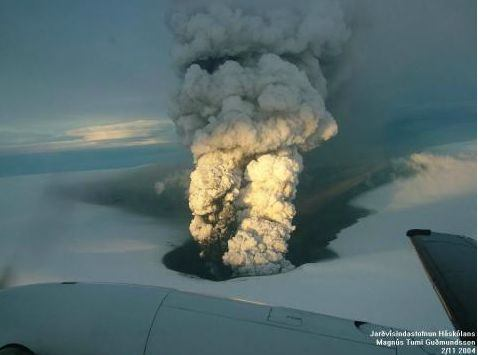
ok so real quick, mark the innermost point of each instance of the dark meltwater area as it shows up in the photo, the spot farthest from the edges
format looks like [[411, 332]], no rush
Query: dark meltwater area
[[322, 202], [307, 245]]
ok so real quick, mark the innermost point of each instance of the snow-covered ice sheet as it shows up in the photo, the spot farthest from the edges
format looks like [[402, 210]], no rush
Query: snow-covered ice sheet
[[376, 277]]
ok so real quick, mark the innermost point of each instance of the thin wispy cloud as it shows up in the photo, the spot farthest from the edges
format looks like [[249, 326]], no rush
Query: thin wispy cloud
[[120, 131], [122, 134]]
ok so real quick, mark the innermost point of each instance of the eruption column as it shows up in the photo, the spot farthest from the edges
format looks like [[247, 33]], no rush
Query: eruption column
[[252, 98]]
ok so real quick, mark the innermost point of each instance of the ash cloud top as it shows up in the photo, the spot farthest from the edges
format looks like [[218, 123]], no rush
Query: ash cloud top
[[252, 97], [223, 31]]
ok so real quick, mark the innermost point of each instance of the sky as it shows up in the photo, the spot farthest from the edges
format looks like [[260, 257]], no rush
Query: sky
[[77, 74], [95, 74]]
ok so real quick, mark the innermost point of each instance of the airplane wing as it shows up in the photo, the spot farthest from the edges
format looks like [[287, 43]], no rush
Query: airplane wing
[[450, 262]]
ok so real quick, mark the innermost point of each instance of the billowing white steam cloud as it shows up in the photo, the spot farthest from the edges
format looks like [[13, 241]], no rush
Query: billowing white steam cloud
[[252, 98]]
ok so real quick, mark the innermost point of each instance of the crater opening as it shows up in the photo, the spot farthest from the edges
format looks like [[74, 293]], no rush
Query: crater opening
[[324, 209]]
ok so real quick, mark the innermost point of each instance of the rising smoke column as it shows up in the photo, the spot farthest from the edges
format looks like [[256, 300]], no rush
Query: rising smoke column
[[251, 99]]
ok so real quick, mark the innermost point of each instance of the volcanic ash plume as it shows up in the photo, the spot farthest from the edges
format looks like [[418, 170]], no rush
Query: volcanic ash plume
[[252, 98]]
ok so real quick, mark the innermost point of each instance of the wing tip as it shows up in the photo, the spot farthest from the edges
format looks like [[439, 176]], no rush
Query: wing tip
[[415, 232]]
